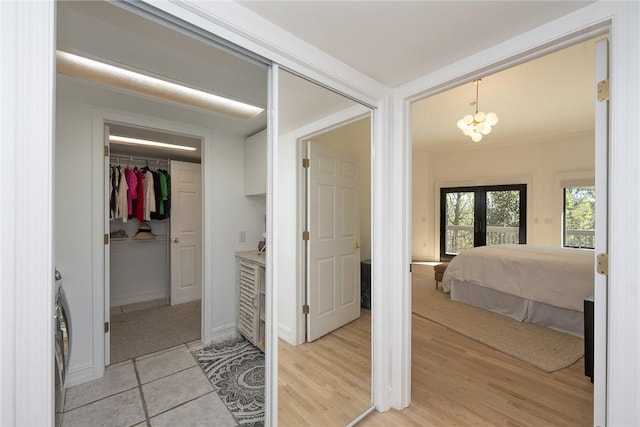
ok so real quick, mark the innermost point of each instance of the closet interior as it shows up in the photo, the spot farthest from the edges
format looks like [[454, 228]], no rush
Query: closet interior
[[139, 233], [141, 203]]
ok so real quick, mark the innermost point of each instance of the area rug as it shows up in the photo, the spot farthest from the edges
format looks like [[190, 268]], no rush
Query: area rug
[[146, 331], [537, 345], [235, 368]]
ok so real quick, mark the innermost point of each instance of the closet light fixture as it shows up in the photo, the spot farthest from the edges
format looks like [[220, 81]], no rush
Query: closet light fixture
[[99, 72], [135, 141], [480, 123]]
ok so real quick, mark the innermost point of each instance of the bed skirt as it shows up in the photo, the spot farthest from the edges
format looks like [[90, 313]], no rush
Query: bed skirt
[[560, 319]]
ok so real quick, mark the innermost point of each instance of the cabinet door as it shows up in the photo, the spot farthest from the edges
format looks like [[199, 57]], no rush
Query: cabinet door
[[255, 164], [261, 307], [248, 301]]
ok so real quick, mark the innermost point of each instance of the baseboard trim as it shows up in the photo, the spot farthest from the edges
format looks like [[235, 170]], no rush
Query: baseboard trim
[[134, 299], [80, 375], [285, 333], [221, 333]]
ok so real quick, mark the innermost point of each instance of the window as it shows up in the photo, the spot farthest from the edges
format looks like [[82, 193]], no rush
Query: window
[[479, 216], [579, 219]]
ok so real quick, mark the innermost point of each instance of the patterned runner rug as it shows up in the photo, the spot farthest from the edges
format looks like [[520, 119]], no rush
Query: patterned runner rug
[[235, 369]]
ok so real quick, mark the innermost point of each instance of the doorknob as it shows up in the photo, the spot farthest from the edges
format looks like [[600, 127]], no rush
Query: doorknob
[[357, 245], [175, 240]]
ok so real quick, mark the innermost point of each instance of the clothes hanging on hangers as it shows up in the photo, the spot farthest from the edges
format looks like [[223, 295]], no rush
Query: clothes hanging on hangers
[[121, 199], [143, 193]]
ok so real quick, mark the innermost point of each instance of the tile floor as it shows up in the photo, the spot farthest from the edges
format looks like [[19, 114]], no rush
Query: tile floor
[[167, 388]]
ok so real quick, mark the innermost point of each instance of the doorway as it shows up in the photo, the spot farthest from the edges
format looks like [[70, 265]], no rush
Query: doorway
[[153, 265], [83, 107], [507, 155]]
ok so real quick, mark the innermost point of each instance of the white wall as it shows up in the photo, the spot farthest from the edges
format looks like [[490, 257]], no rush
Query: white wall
[[540, 165], [223, 185]]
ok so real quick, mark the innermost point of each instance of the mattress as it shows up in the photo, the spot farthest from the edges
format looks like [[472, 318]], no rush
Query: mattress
[[556, 277]]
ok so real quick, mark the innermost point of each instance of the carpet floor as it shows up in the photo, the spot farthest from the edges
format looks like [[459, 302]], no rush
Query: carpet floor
[[537, 345], [235, 368], [146, 331]]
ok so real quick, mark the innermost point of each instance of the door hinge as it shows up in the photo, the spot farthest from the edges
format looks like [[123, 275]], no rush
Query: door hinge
[[305, 235], [106, 327], [603, 90], [602, 264], [305, 163], [106, 150], [410, 268], [106, 239], [305, 309]]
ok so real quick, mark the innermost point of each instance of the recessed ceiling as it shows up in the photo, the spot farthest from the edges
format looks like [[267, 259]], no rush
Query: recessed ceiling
[[105, 32]]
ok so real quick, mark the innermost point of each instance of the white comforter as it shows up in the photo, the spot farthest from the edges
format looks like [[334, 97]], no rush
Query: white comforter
[[554, 276]]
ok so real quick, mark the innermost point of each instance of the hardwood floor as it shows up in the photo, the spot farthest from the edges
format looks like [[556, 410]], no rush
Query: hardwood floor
[[456, 381], [326, 382]]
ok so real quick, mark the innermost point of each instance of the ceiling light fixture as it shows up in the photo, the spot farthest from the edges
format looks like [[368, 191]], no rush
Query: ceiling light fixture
[[135, 141], [480, 123], [99, 72]]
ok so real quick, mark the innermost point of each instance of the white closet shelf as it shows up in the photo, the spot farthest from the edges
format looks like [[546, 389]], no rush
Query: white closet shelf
[[132, 240]]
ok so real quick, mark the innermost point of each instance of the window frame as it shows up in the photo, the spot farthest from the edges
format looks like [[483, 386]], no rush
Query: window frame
[[480, 211], [563, 234]]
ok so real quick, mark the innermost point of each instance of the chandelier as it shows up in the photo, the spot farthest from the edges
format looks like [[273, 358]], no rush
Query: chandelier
[[480, 123]]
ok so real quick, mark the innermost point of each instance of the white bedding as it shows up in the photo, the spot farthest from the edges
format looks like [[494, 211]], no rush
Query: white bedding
[[556, 276]]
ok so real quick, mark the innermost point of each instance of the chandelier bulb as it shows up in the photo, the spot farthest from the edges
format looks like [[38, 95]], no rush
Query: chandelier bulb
[[478, 124]]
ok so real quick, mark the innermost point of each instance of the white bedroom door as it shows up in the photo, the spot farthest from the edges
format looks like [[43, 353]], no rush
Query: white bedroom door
[[601, 304], [333, 263], [186, 232]]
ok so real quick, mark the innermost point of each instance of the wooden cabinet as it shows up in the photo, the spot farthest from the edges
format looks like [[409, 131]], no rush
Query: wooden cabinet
[[251, 297], [255, 164]]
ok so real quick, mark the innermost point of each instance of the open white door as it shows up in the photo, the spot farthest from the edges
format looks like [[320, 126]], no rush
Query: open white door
[[601, 301], [107, 255], [186, 232], [333, 250]]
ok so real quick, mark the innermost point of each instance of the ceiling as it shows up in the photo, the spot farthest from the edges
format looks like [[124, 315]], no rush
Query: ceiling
[[547, 98], [105, 32], [395, 42], [392, 41]]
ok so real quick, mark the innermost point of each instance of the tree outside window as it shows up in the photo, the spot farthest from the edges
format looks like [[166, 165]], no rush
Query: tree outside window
[[579, 217]]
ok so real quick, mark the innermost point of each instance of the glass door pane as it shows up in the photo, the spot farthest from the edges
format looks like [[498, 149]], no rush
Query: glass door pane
[[460, 219], [503, 217]]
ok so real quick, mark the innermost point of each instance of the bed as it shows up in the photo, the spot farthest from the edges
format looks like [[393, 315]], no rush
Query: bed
[[533, 284]]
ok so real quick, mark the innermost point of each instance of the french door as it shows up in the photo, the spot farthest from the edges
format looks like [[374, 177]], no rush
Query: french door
[[481, 215]]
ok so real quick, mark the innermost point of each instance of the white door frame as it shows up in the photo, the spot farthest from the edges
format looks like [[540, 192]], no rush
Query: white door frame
[[100, 268], [541, 41], [600, 321], [31, 26]]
